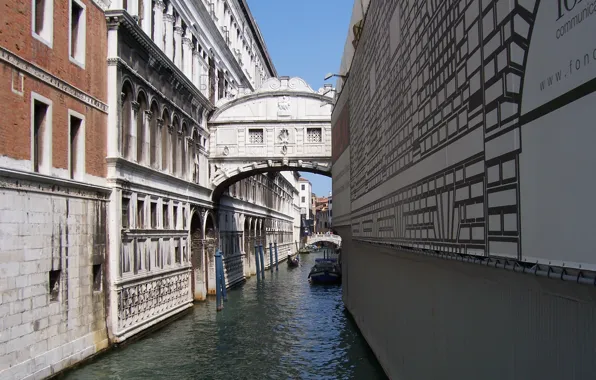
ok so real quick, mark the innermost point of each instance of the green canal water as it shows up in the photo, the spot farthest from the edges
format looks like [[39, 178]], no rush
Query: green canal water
[[279, 328]]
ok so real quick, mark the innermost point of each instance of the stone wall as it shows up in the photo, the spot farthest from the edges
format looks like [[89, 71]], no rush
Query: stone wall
[[51, 276]]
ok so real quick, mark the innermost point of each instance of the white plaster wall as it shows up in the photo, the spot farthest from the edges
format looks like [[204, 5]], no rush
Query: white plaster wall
[[454, 320], [40, 231]]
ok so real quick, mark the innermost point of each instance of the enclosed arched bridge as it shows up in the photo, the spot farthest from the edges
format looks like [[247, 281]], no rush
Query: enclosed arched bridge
[[329, 238], [284, 125]]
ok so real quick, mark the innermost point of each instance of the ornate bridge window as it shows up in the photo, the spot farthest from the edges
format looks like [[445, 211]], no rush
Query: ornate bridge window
[[255, 136], [314, 135]]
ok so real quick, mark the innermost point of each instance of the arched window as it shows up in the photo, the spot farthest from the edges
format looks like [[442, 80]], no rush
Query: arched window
[[125, 120], [165, 140], [153, 135], [141, 116]]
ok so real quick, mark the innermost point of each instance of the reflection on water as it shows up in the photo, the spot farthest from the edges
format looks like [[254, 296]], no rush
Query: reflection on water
[[279, 328]]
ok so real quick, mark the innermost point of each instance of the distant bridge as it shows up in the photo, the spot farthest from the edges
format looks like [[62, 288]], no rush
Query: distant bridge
[[316, 238]]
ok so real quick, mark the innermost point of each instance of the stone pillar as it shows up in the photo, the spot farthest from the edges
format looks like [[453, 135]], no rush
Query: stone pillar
[[158, 140], [132, 151], [147, 17], [145, 159], [133, 7], [178, 46], [114, 91], [160, 6], [196, 68], [187, 53], [169, 42]]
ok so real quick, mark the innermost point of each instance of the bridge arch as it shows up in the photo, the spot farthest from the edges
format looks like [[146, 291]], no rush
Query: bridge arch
[[283, 126]]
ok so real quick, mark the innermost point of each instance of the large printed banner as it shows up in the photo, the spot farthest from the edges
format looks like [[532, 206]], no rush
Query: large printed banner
[[562, 54], [557, 158]]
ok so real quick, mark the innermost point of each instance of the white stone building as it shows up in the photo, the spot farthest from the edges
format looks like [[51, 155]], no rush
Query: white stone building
[[169, 63], [305, 193]]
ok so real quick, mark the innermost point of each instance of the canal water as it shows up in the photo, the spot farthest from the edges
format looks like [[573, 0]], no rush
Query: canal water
[[279, 328]]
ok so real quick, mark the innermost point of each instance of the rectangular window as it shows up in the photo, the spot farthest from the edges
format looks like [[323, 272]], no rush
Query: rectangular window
[[41, 141], [165, 217], [54, 284], [303, 199], [77, 32], [153, 214], [177, 251], [255, 136], [97, 277], [76, 148], [314, 135], [125, 213], [303, 188], [140, 213], [42, 23]]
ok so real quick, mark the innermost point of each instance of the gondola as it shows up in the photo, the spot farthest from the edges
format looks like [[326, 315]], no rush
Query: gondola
[[293, 261]]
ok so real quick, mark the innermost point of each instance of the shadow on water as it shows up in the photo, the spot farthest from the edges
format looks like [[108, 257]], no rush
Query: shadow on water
[[278, 328]]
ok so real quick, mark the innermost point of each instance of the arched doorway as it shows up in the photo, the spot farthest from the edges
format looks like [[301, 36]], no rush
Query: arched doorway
[[211, 243], [196, 257]]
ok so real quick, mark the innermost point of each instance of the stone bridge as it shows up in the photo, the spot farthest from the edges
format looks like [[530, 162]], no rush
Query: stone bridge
[[284, 125], [316, 238]]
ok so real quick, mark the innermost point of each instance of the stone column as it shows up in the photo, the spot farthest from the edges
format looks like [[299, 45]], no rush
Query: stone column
[[147, 17], [187, 53], [145, 159], [158, 140], [196, 68], [169, 21], [178, 46], [132, 151], [160, 6], [114, 91], [133, 7]]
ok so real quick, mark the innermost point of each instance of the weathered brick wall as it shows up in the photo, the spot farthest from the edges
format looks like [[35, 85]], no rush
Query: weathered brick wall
[[15, 124], [41, 233], [15, 108], [15, 35]]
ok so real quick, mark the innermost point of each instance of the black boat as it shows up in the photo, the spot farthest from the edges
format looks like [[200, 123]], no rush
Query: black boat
[[325, 271], [293, 261]]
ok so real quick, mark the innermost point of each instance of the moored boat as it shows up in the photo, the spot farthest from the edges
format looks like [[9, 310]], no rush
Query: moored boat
[[325, 271]]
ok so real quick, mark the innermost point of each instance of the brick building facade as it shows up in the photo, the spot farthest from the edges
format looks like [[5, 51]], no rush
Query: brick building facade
[[53, 117]]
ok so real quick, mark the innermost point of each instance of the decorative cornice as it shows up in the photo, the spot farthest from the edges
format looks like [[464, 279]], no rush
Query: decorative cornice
[[44, 76], [35, 182]]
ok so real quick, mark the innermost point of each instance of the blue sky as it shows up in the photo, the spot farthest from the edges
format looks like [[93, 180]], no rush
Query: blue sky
[[305, 38]]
